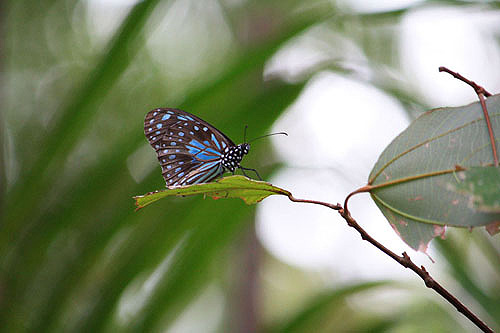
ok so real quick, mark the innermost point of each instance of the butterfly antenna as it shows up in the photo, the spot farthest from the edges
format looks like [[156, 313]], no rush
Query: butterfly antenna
[[245, 134], [263, 136]]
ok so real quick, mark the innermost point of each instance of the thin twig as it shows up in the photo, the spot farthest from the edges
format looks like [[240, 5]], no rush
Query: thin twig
[[477, 88], [481, 93], [326, 204], [403, 260]]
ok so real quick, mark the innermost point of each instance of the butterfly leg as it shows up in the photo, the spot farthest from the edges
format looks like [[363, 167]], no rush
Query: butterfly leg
[[248, 169]]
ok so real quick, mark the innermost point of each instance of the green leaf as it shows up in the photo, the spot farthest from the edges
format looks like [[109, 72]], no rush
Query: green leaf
[[249, 190], [482, 186], [411, 180]]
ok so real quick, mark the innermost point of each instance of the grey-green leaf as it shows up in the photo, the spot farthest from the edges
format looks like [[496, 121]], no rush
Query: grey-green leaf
[[482, 186], [412, 177]]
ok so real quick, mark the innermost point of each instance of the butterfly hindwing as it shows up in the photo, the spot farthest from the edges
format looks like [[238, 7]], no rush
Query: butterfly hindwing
[[188, 148]]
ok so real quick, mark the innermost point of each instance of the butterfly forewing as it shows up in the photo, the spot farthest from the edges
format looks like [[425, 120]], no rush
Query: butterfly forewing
[[188, 148]]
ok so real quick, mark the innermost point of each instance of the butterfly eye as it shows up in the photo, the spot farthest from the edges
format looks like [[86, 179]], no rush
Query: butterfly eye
[[246, 148]]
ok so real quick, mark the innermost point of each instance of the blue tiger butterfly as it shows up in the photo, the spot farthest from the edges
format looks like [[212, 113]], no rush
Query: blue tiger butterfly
[[190, 150]]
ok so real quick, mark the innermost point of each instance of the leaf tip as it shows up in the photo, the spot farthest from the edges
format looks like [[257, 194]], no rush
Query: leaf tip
[[422, 247], [136, 202]]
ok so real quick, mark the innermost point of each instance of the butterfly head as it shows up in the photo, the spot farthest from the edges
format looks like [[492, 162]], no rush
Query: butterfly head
[[245, 147]]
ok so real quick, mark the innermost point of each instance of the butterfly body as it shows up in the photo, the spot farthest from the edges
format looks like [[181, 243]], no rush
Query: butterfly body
[[232, 156], [190, 150]]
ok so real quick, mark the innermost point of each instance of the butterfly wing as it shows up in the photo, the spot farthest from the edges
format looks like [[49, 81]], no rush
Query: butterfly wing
[[188, 148]]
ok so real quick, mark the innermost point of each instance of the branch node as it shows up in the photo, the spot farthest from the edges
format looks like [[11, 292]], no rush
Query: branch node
[[428, 280], [405, 260]]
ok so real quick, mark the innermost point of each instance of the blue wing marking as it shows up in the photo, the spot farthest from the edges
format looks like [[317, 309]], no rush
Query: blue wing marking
[[195, 147], [213, 151], [201, 151], [197, 144], [215, 141], [201, 177], [204, 156], [208, 166]]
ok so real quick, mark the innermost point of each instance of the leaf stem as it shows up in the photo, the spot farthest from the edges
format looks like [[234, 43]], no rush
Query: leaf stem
[[403, 260], [481, 93], [490, 129]]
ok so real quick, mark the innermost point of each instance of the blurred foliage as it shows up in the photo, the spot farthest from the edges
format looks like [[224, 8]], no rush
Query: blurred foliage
[[77, 80]]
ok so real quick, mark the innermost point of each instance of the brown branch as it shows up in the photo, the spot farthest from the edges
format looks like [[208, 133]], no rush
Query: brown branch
[[481, 93], [406, 261], [326, 204], [477, 88], [403, 260]]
